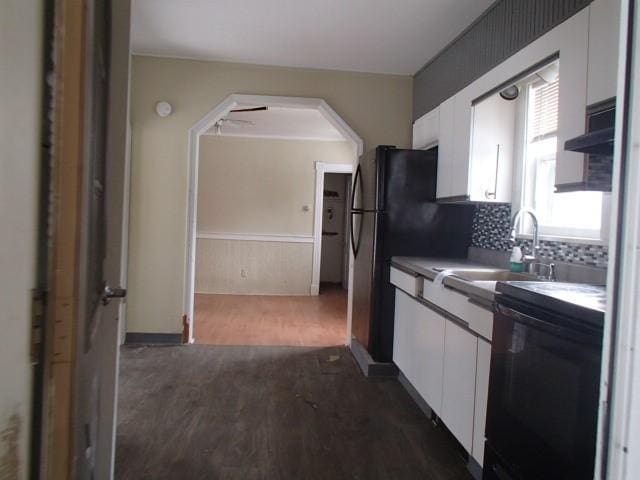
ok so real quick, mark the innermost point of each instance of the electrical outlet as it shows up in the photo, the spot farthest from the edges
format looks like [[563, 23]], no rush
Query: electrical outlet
[[243, 273]]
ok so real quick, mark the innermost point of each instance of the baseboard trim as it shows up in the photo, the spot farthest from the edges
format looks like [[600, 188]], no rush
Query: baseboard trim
[[475, 469], [153, 338], [368, 366], [415, 396]]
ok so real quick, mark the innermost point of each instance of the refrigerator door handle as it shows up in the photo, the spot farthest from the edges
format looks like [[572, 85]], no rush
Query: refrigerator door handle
[[355, 246], [356, 181]]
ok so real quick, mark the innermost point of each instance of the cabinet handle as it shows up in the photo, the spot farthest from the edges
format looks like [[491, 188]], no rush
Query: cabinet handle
[[488, 194]]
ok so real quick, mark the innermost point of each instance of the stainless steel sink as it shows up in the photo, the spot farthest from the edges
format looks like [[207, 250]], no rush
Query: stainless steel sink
[[481, 281], [491, 275]]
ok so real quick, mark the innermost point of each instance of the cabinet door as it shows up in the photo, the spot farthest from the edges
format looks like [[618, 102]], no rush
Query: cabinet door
[[573, 98], [426, 130], [459, 382], [492, 147], [446, 141], [418, 347], [428, 345], [403, 324], [462, 143], [604, 28], [482, 392]]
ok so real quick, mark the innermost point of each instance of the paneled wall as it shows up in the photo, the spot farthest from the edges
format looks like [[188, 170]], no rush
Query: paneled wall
[[244, 267], [506, 27]]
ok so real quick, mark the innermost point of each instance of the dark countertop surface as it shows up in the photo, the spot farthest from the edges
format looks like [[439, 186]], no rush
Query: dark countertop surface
[[577, 300]]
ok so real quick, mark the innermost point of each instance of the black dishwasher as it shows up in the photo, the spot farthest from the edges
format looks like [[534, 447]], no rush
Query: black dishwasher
[[544, 382]]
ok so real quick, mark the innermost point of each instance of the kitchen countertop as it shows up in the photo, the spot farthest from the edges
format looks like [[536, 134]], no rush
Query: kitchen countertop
[[431, 267], [428, 267]]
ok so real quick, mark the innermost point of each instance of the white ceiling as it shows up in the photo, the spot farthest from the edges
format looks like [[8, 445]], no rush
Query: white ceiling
[[378, 36], [291, 123]]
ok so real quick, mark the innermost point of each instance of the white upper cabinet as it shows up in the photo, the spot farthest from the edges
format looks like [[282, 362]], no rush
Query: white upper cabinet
[[426, 130], [466, 162], [572, 101], [461, 143], [446, 143], [492, 149], [604, 29]]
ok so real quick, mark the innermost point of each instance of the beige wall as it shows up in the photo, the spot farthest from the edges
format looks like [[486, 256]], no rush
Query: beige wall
[[251, 185], [21, 24], [258, 186], [377, 107]]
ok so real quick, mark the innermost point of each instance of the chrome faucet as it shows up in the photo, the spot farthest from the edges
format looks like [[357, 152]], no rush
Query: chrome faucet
[[527, 259]]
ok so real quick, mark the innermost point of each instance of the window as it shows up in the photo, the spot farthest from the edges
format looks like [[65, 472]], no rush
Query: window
[[566, 215]]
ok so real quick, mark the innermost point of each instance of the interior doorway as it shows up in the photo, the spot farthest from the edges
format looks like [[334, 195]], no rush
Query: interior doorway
[[334, 259], [257, 257]]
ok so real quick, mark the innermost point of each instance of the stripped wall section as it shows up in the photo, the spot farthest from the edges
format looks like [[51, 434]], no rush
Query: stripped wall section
[[506, 27]]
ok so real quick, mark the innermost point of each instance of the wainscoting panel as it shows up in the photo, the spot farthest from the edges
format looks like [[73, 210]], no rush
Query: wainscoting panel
[[249, 267]]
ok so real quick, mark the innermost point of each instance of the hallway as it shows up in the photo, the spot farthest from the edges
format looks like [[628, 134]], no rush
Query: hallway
[[303, 321], [204, 412]]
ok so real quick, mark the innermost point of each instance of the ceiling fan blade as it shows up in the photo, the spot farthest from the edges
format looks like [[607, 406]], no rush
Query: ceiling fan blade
[[252, 109], [232, 122]]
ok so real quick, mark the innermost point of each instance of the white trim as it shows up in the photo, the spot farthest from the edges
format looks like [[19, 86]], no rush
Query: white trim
[[126, 211], [275, 137], [256, 237], [321, 169], [204, 124], [622, 343]]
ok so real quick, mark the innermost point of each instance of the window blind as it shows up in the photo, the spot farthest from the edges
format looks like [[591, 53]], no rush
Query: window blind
[[545, 111]]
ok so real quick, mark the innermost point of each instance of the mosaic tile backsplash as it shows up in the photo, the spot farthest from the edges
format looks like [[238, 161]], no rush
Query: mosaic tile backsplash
[[491, 228]]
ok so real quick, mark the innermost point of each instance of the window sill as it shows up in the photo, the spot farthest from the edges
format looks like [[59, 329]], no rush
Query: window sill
[[565, 239]]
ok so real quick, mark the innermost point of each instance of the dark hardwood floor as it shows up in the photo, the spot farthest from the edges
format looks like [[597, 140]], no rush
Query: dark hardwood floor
[[221, 412]]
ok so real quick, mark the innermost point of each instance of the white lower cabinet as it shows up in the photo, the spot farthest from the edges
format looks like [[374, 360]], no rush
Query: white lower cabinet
[[483, 365], [418, 347], [448, 365], [459, 382]]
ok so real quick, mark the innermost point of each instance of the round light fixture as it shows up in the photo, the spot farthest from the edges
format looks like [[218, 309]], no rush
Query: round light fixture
[[510, 93], [163, 109]]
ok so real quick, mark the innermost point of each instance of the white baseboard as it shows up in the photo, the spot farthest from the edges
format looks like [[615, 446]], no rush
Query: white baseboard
[[314, 290]]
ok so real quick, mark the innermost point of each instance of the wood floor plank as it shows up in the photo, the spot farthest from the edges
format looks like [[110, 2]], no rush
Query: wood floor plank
[[313, 321]]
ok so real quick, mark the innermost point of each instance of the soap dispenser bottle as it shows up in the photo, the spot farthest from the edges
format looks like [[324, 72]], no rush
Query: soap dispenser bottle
[[515, 262]]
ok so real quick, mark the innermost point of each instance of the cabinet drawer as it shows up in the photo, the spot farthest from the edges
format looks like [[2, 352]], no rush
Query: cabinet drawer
[[407, 282], [480, 319]]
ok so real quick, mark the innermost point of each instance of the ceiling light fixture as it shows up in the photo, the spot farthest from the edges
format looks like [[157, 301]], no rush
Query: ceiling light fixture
[[510, 93], [163, 109]]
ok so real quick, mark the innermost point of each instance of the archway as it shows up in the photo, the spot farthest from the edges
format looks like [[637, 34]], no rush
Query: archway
[[204, 124]]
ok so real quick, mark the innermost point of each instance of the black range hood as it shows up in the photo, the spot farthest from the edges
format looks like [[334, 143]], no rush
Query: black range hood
[[598, 142], [597, 146]]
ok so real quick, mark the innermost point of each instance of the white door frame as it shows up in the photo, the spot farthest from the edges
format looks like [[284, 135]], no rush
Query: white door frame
[[204, 124], [321, 169], [618, 452]]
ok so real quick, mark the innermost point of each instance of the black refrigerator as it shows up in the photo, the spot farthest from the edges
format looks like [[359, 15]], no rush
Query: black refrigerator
[[394, 213]]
